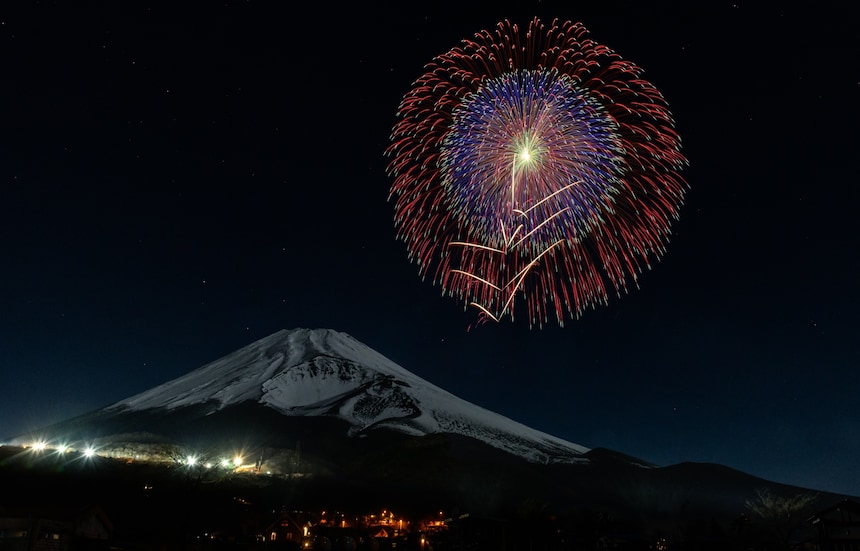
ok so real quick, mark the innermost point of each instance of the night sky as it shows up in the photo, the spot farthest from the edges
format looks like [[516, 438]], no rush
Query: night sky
[[178, 183]]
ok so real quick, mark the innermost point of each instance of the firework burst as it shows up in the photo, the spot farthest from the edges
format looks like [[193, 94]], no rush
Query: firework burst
[[534, 169]]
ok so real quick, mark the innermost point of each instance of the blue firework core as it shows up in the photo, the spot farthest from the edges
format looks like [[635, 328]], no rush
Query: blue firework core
[[530, 159]]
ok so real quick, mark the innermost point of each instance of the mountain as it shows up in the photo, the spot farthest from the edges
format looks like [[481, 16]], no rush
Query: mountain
[[325, 373], [338, 420]]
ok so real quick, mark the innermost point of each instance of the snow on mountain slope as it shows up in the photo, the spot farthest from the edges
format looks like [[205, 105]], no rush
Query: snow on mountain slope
[[315, 372]]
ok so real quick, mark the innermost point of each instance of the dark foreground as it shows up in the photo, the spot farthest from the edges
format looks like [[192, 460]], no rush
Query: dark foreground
[[68, 502]]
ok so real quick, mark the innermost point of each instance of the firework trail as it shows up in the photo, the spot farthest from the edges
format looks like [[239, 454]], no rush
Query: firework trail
[[534, 169]]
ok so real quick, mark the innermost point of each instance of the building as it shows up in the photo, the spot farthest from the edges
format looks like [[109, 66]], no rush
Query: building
[[68, 528], [838, 526]]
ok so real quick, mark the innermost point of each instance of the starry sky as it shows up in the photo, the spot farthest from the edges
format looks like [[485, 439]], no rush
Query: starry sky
[[178, 183]]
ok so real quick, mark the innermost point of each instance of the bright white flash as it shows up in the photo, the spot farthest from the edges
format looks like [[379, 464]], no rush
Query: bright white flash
[[525, 155]]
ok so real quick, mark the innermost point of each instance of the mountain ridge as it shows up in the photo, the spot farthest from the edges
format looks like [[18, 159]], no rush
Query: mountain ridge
[[322, 372], [332, 418]]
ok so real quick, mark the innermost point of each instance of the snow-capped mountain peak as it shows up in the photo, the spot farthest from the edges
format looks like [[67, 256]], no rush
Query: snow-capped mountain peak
[[322, 372]]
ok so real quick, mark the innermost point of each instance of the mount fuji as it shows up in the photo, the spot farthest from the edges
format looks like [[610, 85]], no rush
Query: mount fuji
[[318, 405], [279, 386], [326, 373]]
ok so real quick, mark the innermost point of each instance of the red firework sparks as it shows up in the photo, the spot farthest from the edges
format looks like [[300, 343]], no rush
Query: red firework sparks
[[534, 168]]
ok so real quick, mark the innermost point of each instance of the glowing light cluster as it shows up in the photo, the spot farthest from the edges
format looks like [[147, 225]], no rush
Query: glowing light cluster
[[39, 446], [534, 167], [197, 460]]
